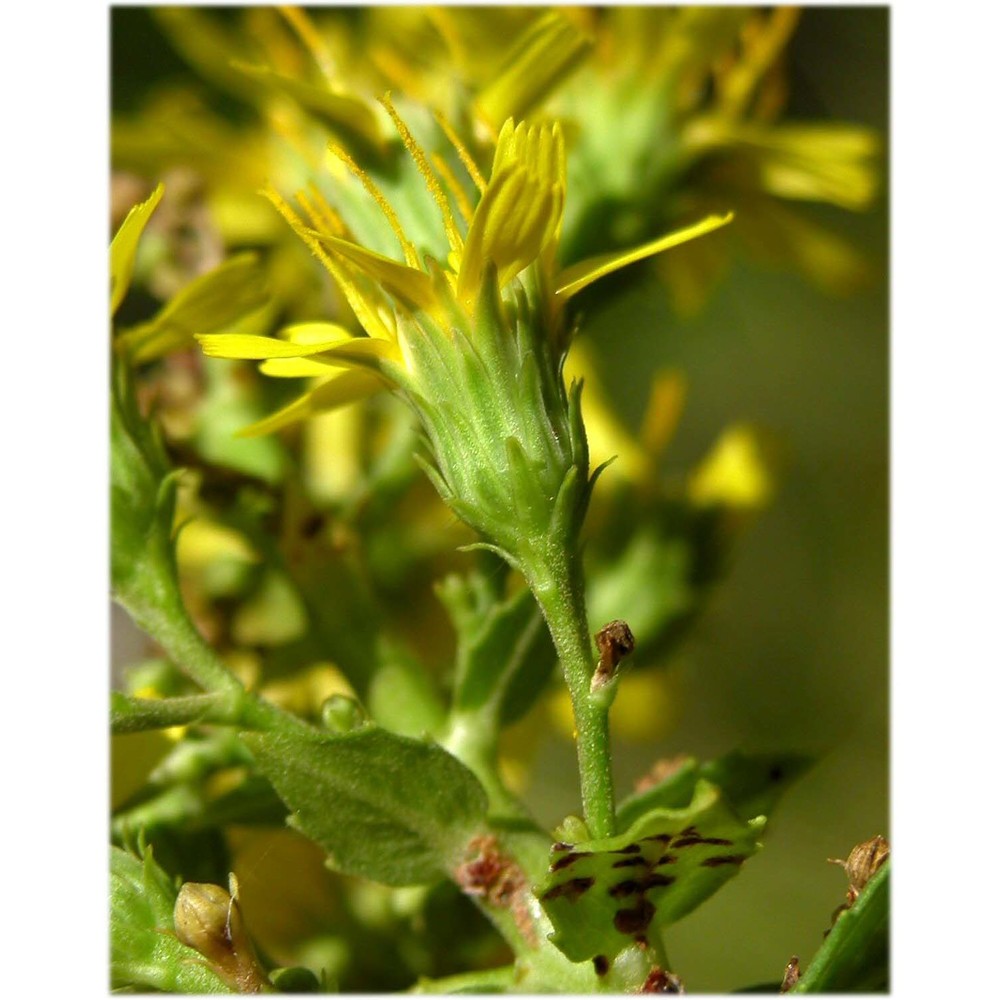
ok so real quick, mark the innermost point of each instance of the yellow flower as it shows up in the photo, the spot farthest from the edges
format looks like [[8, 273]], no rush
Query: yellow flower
[[513, 231]]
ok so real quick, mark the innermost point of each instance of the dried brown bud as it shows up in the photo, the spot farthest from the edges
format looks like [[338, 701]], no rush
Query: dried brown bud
[[208, 919], [614, 642], [659, 981], [862, 863], [791, 976]]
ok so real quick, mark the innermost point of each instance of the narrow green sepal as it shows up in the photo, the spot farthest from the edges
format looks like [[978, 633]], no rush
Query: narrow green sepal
[[495, 549]]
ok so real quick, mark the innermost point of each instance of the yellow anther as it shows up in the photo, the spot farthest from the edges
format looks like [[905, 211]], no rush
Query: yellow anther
[[409, 251], [300, 23], [430, 178], [461, 199], [463, 153]]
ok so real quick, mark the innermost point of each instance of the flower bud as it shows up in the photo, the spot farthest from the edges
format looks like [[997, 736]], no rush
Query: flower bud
[[208, 919]]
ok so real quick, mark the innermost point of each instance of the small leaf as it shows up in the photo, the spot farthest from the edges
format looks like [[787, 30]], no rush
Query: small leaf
[[854, 958], [142, 501], [384, 807], [145, 954], [603, 895], [750, 783], [505, 654]]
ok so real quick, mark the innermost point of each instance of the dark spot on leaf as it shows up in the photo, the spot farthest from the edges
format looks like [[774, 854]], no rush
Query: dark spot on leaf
[[628, 849], [560, 845], [660, 838], [776, 773], [657, 881], [721, 841], [630, 862], [601, 965], [572, 890], [688, 841], [725, 859], [636, 919], [667, 859], [627, 888], [567, 859]]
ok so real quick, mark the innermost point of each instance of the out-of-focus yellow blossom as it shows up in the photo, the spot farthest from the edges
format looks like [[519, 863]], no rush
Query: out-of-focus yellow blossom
[[735, 474], [678, 112]]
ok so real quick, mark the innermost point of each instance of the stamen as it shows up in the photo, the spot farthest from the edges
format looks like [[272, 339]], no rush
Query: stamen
[[463, 153], [409, 250], [361, 303], [433, 185], [333, 223], [464, 206], [300, 23]]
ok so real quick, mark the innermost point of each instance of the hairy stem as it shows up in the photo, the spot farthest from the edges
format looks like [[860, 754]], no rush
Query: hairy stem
[[170, 625], [555, 576]]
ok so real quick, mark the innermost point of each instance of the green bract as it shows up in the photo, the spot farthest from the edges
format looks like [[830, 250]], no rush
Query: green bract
[[603, 895]]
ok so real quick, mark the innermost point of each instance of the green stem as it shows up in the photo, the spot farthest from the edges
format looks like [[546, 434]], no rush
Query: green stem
[[134, 715], [168, 622], [556, 579]]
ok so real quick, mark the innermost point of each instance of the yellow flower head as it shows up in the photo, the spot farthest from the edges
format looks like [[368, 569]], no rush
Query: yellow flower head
[[511, 234]]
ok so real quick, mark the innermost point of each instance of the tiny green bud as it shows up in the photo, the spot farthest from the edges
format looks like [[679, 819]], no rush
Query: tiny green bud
[[295, 980], [572, 830]]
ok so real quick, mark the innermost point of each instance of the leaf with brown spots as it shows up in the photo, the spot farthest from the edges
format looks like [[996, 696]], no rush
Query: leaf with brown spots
[[602, 895]]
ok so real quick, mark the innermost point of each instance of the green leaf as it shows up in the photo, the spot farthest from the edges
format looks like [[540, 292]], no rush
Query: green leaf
[[505, 654], [603, 895], [383, 806], [145, 955], [854, 958], [753, 783], [142, 501], [750, 783]]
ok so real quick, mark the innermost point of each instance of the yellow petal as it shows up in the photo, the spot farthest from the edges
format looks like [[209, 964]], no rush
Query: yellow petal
[[212, 301], [578, 276], [348, 387], [252, 348], [539, 59], [125, 244], [314, 333], [398, 279], [294, 368]]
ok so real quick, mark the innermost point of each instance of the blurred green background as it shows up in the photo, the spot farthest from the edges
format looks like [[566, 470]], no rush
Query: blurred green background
[[793, 651]]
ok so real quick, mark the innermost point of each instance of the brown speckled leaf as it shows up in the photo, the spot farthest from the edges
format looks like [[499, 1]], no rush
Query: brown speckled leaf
[[603, 895]]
